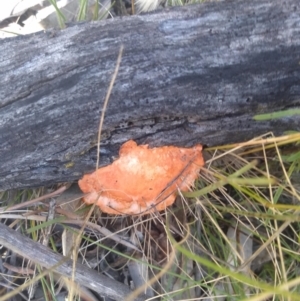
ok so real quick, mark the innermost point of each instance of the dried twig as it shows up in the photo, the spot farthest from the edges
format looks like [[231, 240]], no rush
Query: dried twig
[[43, 256], [36, 200]]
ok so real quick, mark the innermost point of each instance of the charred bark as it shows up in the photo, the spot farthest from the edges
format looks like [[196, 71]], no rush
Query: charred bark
[[194, 74]]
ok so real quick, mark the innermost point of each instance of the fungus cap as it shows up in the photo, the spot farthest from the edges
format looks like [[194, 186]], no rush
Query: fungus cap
[[142, 179]]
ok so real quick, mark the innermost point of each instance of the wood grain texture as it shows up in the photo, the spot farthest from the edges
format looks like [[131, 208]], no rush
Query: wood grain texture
[[46, 258], [194, 74]]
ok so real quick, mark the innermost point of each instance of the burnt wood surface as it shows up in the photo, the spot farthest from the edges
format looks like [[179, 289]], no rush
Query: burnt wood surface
[[193, 74]]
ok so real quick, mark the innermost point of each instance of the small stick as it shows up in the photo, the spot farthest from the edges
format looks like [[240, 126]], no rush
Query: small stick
[[20, 270], [36, 200]]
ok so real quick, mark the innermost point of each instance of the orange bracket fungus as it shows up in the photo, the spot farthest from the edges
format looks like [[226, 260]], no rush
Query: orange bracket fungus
[[143, 179]]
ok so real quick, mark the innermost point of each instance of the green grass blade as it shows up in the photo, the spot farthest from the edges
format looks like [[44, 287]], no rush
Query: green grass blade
[[276, 115]]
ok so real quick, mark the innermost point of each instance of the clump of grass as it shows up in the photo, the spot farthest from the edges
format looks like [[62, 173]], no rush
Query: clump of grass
[[260, 201], [235, 234]]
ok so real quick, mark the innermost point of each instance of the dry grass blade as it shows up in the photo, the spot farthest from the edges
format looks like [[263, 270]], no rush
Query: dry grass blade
[[35, 201], [111, 84], [71, 284]]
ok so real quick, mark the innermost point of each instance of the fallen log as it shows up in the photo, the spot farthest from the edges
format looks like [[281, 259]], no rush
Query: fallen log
[[193, 74]]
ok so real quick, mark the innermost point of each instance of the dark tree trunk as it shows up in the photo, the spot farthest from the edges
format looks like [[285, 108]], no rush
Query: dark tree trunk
[[194, 74]]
